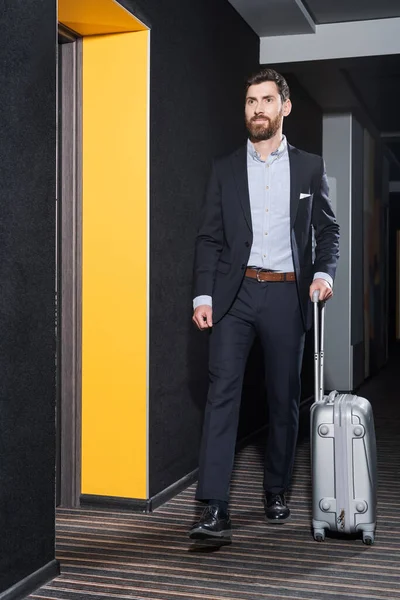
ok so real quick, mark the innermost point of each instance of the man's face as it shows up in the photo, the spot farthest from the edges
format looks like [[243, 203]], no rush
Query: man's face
[[264, 110]]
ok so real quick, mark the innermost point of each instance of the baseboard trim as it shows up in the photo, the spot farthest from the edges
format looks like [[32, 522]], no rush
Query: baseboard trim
[[32, 582], [135, 504], [172, 490]]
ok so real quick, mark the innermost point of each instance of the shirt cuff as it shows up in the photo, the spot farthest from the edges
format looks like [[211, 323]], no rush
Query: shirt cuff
[[325, 276], [201, 300]]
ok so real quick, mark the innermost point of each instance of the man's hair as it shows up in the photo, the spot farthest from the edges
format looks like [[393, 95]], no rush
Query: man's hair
[[270, 75]]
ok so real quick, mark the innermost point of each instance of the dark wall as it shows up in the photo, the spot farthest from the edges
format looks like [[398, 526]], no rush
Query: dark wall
[[201, 52], [27, 276], [303, 127]]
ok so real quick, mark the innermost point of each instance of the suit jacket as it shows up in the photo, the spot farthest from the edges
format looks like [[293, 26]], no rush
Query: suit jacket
[[225, 235]]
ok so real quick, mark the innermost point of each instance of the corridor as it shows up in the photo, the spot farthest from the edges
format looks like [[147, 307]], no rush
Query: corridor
[[114, 554]]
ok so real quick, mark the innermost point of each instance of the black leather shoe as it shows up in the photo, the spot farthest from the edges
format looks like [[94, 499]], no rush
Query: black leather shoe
[[276, 509], [213, 524]]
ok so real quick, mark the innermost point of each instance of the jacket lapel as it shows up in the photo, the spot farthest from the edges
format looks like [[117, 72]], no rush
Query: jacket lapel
[[239, 165], [294, 162]]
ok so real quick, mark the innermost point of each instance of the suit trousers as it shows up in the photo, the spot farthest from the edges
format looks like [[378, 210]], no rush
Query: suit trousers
[[270, 310]]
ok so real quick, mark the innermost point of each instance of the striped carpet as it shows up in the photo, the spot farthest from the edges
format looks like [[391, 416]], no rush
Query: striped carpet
[[110, 554]]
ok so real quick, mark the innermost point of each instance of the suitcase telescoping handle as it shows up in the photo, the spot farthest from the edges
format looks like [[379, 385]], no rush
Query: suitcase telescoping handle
[[319, 327]]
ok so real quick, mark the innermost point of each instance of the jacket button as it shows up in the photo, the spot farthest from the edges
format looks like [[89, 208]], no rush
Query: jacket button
[[247, 244]]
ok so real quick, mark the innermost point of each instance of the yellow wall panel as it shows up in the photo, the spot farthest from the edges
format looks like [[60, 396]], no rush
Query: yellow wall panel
[[90, 17], [114, 302]]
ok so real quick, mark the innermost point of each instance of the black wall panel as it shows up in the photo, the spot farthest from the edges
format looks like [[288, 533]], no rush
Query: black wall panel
[[201, 52], [27, 276], [303, 127]]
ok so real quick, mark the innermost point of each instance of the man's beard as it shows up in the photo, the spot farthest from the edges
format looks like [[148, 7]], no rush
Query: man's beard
[[263, 130]]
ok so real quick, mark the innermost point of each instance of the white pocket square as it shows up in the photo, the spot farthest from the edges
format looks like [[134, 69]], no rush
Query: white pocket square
[[304, 196]]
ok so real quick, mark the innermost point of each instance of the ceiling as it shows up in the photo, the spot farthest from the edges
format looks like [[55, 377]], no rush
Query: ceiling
[[289, 17], [337, 11], [275, 17]]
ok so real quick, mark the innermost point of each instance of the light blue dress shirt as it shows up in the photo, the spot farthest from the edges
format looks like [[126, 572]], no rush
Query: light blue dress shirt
[[269, 191]]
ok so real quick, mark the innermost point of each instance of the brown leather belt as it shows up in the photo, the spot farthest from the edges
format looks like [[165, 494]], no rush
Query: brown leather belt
[[261, 275]]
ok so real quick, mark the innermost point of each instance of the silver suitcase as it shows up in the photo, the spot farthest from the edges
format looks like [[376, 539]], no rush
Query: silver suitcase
[[343, 455]]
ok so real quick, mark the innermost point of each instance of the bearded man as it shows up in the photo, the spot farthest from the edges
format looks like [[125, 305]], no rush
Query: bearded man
[[254, 275]]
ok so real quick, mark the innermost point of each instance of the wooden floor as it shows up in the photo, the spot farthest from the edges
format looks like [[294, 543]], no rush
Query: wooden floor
[[122, 555]]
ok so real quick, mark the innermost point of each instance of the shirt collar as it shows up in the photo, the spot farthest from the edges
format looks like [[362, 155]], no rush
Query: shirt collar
[[278, 153]]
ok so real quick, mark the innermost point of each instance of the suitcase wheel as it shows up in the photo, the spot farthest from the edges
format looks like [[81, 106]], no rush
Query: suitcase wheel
[[368, 539], [319, 535]]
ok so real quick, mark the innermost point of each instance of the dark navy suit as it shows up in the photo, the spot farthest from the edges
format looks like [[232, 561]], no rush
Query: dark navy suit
[[279, 313]]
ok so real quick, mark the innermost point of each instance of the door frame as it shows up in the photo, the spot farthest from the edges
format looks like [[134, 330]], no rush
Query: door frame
[[69, 268]]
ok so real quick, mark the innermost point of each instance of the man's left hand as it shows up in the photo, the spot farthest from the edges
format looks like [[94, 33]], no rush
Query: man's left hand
[[325, 290]]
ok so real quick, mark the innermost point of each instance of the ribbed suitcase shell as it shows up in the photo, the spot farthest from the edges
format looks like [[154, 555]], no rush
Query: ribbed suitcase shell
[[343, 456]]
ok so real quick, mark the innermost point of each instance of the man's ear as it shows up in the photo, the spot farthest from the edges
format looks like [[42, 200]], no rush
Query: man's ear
[[287, 108]]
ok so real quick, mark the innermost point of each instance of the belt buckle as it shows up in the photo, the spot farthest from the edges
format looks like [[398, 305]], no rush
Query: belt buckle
[[258, 271]]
